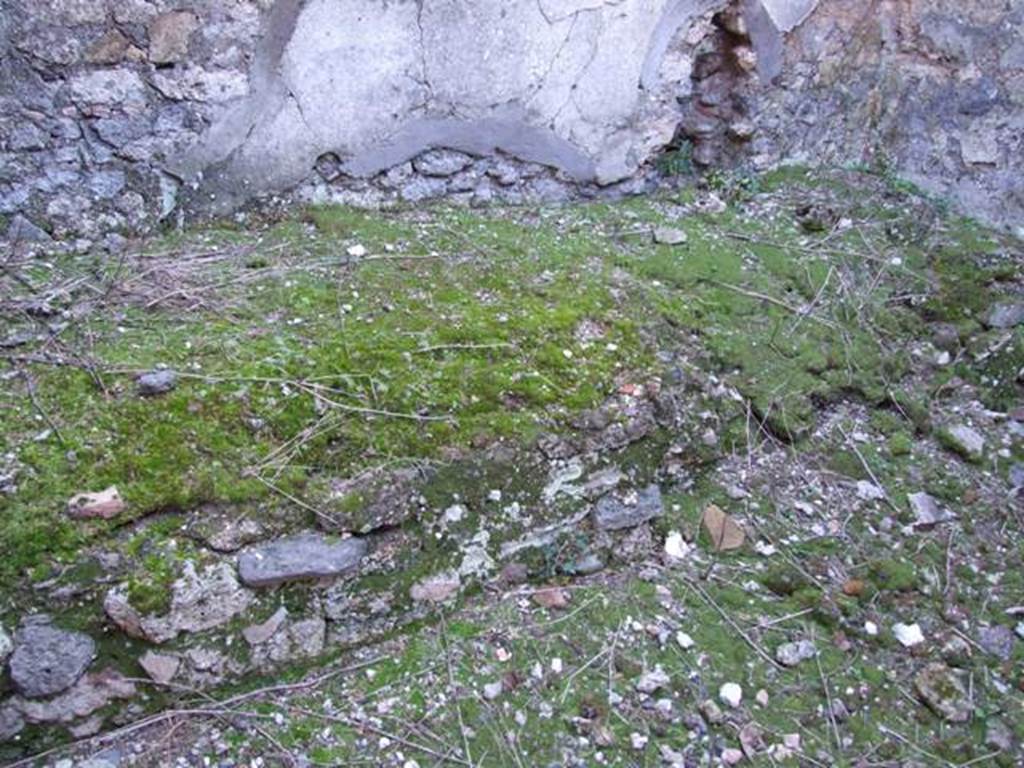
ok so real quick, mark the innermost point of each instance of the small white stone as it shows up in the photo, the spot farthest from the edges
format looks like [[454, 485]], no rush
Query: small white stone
[[731, 694], [764, 549], [684, 640], [454, 513], [494, 495], [556, 665], [637, 740], [676, 547], [732, 756], [871, 628], [653, 680], [736, 493], [909, 635], [792, 741], [761, 697], [492, 690]]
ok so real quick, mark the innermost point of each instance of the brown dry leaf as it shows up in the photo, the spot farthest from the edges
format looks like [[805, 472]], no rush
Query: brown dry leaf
[[552, 597], [853, 588], [724, 532]]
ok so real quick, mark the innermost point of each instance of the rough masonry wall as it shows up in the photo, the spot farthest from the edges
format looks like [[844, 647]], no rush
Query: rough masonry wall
[[118, 114], [932, 90]]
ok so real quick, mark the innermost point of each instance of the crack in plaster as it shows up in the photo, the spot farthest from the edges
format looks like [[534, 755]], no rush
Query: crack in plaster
[[228, 161]]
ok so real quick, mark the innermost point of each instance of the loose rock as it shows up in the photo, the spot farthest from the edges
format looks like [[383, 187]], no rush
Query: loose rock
[[1005, 315], [966, 441], [156, 383], [653, 680], [492, 690], [22, 230], [711, 712], [372, 500], [908, 635], [943, 691], [998, 641], [725, 534], [867, 491], [670, 236], [676, 547], [731, 694], [104, 505], [926, 509], [292, 641], [732, 756], [791, 654]]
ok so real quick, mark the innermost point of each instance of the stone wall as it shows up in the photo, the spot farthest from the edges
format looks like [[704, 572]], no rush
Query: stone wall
[[116, 115], [932, 90]]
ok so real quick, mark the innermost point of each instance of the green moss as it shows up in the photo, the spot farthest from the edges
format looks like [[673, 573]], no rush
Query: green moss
[[474, 345], [149, 590], [894, 575], [900, 443], [784, 580]]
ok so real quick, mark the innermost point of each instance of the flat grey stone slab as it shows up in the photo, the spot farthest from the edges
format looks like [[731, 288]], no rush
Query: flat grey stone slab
[[295, 558]]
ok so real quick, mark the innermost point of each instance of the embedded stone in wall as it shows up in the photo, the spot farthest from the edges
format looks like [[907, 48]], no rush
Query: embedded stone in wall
[[303, 556], [48, 659], [199, 601], [111, 48], [110, 88], [169, 34], [980, 146]]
